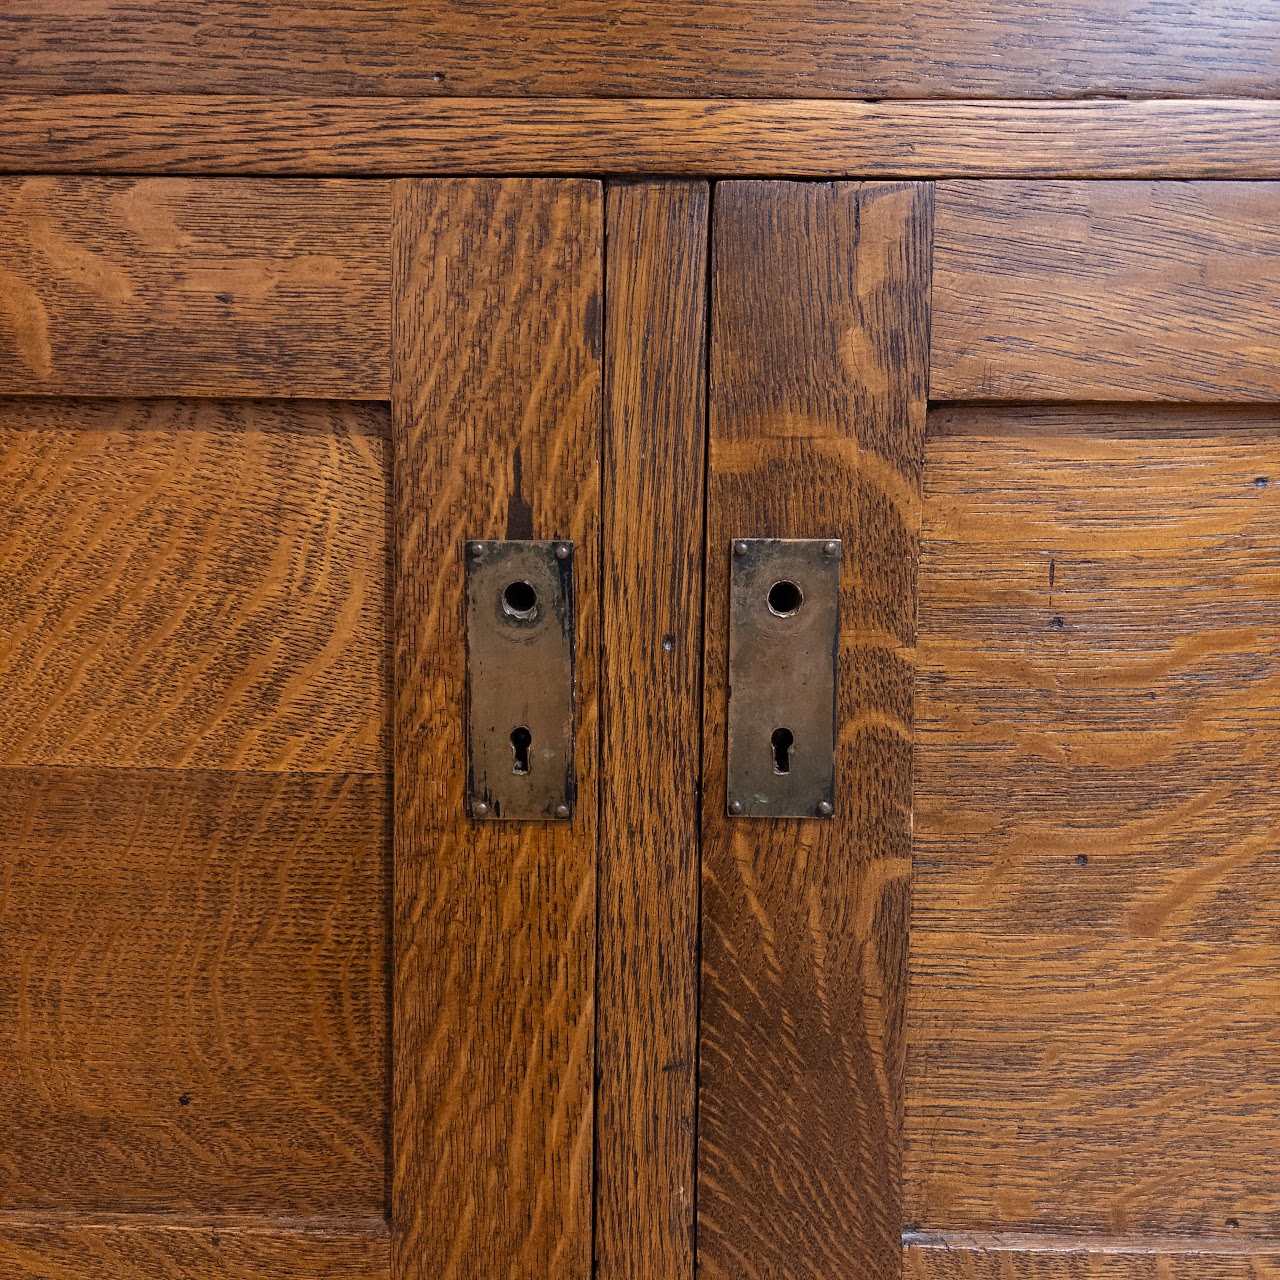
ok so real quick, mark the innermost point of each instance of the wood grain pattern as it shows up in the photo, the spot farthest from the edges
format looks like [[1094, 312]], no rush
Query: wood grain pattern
[[1067, 1260], [497, 419], [194, 584], [138, 1248], [651, 728], [114, 286], [214, 134], [193, 993], [819, 333], [1106, 291], [650, 48], [1096, 924]]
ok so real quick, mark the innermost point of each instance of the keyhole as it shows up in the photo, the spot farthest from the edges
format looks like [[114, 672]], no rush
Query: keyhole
[[783, 740], [521, 739]]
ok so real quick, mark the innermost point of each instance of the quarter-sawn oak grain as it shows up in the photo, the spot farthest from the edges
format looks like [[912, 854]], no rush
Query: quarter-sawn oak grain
[[651, 726], [1106, 291], [166, 286], [818, 363], [213, 134], [192, 994], [134, 1247], [646, 48], [198, 584], [1075, 1260], [497, 420], [1096, 925]]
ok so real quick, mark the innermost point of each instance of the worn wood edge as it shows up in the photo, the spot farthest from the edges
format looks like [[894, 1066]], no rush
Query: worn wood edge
[[1011, 1242], [251, 135], [1167, 419]]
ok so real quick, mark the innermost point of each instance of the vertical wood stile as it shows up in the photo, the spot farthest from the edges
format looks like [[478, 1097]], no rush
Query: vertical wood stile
[[651, 668], [496, 418], [818, 396]]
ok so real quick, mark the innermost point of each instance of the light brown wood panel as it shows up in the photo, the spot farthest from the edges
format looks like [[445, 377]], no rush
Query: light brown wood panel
[[137, 1248], [749, 48], [193, 993], [816, 430], [651, 727], [1096, 926], [1068, 1260], [164, 286], [1106, 291], [497, 417], [194, 584], [216, 134]]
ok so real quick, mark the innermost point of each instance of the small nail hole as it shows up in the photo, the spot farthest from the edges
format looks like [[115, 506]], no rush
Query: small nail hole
[[1082, 859], [1057, 623], [520, 600], [785, 598], [1233, 1222], [1262, 482]]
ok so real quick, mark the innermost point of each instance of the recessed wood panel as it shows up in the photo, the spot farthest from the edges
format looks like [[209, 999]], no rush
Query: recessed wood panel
[[646, 48], [817, 415], [138, 1248], [164, 286], [194, 584], [193, 994], [1106, 291], [1096, 922], [245, 134], [497, 417]]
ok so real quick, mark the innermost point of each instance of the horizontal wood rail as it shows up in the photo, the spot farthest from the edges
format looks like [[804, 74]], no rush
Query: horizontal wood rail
[[208, 134]]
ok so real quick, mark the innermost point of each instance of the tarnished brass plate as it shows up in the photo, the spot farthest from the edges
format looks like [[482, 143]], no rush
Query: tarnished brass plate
[[784, 631], [520, 679]]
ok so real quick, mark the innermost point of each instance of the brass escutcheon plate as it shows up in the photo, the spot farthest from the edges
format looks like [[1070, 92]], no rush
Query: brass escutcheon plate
[[784, 635], [520, 680]]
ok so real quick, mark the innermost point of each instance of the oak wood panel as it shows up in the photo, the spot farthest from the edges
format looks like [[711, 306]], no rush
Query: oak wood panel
[[213, 134], [1107, 291], [193, 583], [163, 286], [135, 1247], [193, 993], [497, 420], [652, 48], [1096, 924], [651, 723], [953, 1259], [816, 429], [1154, 423]]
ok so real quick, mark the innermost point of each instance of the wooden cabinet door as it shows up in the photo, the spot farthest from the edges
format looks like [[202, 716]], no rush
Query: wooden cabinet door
[[1061, 1063], [270, 1005]]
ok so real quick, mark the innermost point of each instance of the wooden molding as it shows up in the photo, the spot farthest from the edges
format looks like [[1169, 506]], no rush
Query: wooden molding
[[208, 134]]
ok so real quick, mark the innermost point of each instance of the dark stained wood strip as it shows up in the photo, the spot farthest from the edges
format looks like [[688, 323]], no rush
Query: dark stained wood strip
[[651, 668], [1091, 1044], [165, 286], [497, 423], [193, 994], [955, 1258], [1107, 291], [182, 133], [195, 583], [1153, 422], [136, 1247], [817, 428], [749, 48]]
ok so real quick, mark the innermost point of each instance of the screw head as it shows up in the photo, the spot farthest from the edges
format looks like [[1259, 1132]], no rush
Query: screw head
[[562, 811], [477, 549], [739, 548], [735, 807], [562, 550], [480, 809], [831, 548], [824, 809]]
